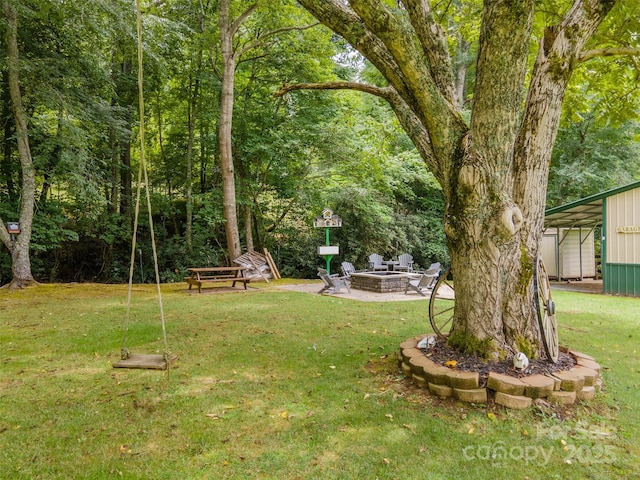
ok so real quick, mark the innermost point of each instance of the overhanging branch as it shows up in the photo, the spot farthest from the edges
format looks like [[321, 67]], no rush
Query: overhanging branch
[[434, 42], [361, 87], [411, 124], [262, 41], [609, 52]]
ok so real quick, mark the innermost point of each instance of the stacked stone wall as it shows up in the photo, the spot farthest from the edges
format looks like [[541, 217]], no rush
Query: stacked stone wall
[[566, 387]]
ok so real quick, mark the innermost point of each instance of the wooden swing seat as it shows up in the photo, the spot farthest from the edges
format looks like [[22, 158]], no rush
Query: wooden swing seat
[[145, 361]]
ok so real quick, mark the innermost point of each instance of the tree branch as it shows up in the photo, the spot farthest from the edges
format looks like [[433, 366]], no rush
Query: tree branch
[[4, 236], [434, 45], [398, 56], [342, 20], [361, 87], [410, 122], [261, 42], [233, 29], [430, 103], [609, 52]]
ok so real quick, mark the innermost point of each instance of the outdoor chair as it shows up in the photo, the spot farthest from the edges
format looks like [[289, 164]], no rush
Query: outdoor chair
[[332, 283], [405, 263], [375, 262], [348, 268], [426, 281]]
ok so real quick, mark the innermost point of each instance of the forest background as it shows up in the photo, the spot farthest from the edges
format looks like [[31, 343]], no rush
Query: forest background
[[293, 156]]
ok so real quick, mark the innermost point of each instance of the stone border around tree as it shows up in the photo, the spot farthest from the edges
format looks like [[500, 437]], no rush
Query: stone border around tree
[[563, 388]]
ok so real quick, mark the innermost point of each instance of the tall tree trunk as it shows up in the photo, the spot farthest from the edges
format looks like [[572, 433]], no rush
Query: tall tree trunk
[[113, 192], [462, 65], [125, 93], [7, 151], [126, 190], [21, 263], [192, 108], [482, 218], [52, 161], [227, 32], [248, 224], [189, 186]]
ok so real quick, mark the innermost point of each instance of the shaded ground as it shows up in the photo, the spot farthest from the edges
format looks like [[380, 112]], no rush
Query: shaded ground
[[441, 353], [587, 285], [355, 294]]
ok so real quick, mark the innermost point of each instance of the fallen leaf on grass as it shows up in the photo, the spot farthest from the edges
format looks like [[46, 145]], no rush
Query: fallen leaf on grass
[[411, 428]]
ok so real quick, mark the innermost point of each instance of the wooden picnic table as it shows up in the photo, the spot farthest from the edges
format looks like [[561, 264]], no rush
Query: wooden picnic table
[[197, 276]]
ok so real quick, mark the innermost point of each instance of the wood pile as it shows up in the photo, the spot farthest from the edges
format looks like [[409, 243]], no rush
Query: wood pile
[[259, 267]]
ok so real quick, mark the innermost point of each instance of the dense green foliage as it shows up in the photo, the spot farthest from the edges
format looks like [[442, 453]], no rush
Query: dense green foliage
[[293, 156]]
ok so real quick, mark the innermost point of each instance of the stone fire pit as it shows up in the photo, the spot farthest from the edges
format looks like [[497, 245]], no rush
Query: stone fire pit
[[380, 282]]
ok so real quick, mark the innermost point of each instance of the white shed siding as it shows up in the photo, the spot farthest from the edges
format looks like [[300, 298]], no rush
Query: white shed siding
[[566, 255], [623, 210], [549, 252]]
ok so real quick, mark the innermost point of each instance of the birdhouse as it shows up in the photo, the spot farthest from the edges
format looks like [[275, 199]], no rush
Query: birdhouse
[[327, 219], [13, 228]]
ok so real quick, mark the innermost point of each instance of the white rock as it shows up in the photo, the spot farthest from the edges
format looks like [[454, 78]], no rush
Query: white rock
[[520, 361]]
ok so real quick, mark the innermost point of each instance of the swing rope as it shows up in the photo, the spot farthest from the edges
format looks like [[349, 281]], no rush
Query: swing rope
[[142, 175]]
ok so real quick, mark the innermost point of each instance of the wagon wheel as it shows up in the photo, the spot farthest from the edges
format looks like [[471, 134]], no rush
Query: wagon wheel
[[546, 310], [442, 304]]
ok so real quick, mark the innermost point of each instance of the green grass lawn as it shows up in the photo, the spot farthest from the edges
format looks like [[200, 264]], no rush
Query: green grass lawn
[[275, 384]]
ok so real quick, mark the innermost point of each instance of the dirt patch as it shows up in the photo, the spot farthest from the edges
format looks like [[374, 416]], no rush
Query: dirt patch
[[441, 353]]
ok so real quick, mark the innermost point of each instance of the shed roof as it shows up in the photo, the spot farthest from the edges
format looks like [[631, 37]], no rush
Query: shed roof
[[586, 212]]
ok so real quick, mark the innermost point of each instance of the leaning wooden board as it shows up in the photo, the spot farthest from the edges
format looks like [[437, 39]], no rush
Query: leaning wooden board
[[272, 264]]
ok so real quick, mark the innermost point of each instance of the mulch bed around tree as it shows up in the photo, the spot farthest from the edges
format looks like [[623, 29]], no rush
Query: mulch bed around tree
[[441, 353]]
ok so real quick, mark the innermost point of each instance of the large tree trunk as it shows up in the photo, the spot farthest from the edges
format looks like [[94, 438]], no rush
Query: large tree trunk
[[494, 171], [21, 266], [248, 227], [191, 131], [6, 166], [126, 188], [227, 31], [482, 219]]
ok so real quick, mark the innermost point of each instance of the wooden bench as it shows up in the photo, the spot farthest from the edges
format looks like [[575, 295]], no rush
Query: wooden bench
[[198, 276]]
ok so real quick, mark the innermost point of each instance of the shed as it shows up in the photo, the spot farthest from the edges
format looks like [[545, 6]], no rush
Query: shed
[[569, 253], [617, 214]]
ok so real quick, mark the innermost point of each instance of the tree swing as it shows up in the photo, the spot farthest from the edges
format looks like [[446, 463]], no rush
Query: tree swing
[[128, 359]]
